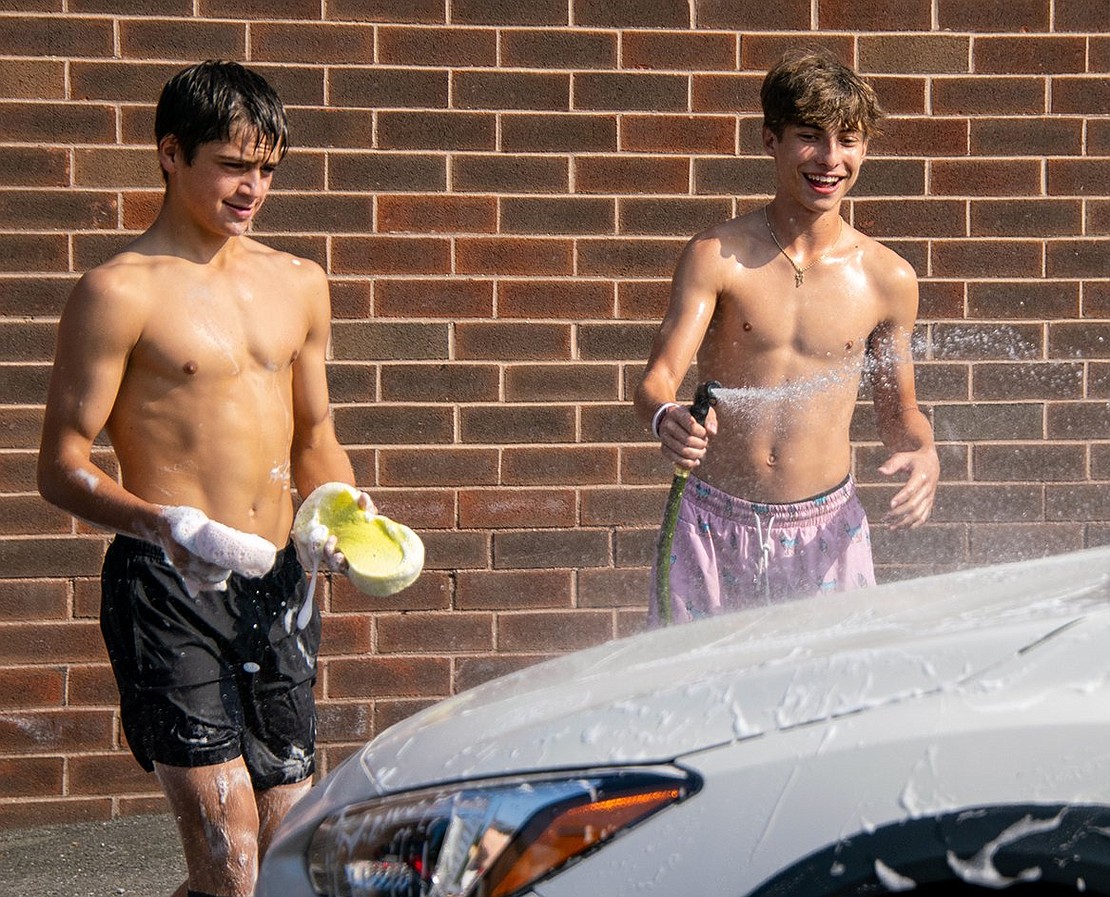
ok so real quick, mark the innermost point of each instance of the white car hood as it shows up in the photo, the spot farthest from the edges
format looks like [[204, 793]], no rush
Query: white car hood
[[654, 697]]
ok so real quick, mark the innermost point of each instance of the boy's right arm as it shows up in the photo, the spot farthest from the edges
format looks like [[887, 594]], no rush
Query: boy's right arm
[[100, 326], [694, 290]]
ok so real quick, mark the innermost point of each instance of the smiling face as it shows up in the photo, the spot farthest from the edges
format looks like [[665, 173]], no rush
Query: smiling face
[[815, 167], [225, 184]]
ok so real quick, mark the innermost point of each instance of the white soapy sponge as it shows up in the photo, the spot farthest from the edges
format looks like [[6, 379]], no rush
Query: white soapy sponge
[[227, 548]]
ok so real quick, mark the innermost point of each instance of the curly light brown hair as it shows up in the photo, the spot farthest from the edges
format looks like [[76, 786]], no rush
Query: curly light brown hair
[[812, 87]]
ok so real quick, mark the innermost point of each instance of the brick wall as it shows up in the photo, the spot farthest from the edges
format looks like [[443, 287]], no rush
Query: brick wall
[[499, 192]]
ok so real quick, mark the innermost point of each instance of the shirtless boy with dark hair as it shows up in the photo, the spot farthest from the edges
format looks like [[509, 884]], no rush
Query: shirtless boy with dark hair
[[201, 353], [786, 307]]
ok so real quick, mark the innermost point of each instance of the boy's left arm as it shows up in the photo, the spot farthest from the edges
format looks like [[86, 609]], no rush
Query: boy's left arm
[[903, 428], [316, 455]]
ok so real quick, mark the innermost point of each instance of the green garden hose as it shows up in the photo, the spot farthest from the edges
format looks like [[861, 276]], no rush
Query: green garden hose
[[703, 400]]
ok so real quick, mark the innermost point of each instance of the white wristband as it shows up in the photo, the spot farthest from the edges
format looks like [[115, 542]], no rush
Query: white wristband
[[657, 418]]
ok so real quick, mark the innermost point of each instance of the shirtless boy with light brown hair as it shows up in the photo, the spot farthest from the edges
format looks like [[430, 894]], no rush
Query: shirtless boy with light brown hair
[[201, 353], [786, 307]]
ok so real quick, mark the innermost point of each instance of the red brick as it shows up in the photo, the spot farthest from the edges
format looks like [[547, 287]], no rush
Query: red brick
[[643, 299], [41, 601], [558, 132], [456, 550], [30, 813], [432, 591], [1076, 502], [987, 258], [1077, 420], [986, 177], [454, 382], [568, 465], [1077, 177], [33, 79], [35, 687], [1096, 300], [439, 467], [925, 136], [309, 43], [261, 9], [901, 95], [632, 14], [1080, 96], [679, 51], [1012, 422], [436, 214], [752, 15], [429, 12], [1029, 55], [389, 341], [54, 731], [551, 382], [505, 12], [878, 15], [1002, 543], [1078, 258], [390, 255], [291, 212], [976, 503], [728, 94], [489, 173], [49, 557], [33, 167], [979, 341], [678, 134], [109, 775], [558, 49], [622, 506], [553, 299], [375, 677], [920, 217], [1018, 299], [1079, 15], [994, 15], [1025, 218], [344, 721], [989, 95], [635, 548], [502, 508], [330, 128], [611, 423], [181, 39], [505, 256], [624, 257], [617, 341], [512, 341], [29, 515], [892, 177], [510, 90], [1034, 462], [557, 215], [630, 91], [452, 633], [49, 122], [394, 425], [69, 36], [420, 509], [436, 130], [91, 685], [388, 87], [933, 54], [733, 176], [380, 171], [631, 174], [437, 46], [940, 299], [553, 630], [614, 588], [31, 776], [510, 424]]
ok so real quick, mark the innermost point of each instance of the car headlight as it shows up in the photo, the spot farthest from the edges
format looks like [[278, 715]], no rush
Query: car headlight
[[491, 838]]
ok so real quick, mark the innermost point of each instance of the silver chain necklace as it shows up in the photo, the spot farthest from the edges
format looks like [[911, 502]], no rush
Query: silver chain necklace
[[799, 273]]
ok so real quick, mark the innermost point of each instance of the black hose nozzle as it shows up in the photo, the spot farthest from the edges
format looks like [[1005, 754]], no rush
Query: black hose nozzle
[[704, 399]]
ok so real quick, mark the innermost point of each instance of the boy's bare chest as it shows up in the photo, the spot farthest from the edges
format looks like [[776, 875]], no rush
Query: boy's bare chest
[[199, 332], [807, 321]]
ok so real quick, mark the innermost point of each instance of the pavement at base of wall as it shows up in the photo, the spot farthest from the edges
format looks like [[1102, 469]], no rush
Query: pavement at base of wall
[[137, 856]]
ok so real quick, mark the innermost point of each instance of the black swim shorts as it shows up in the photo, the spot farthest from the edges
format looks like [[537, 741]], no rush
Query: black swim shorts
[[205, 680]]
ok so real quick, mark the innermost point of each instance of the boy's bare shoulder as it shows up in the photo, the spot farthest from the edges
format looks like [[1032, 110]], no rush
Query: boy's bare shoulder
[[728, 241]]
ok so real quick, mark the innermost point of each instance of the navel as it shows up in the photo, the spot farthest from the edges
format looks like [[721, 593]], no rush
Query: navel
[[189, 367], [747, 325], [772, 459], [848, 345]]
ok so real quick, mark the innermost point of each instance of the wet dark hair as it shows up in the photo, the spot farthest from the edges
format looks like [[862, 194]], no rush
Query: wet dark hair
[[811, 87], [216, 101]]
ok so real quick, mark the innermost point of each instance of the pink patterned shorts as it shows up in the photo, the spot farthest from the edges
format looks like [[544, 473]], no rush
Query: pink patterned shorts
[[730, 553]]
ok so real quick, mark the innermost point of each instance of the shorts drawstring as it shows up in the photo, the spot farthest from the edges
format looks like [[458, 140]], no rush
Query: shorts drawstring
[[762, 574]]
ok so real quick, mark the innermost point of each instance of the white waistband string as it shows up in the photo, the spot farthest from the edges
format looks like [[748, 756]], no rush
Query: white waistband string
[[762, 573]]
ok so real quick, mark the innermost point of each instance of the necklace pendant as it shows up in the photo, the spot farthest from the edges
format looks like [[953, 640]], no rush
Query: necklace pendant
[[799, 276]]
